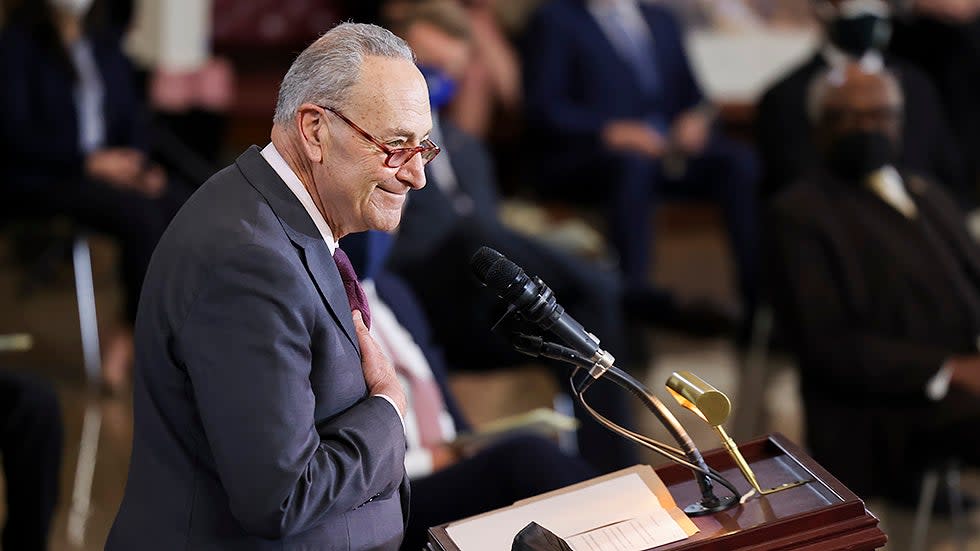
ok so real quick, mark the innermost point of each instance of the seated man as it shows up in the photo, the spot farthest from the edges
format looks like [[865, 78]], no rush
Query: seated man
[[879, 286], [856, 30], [456, 213], [616, 117], [30, 446], [446, 484]]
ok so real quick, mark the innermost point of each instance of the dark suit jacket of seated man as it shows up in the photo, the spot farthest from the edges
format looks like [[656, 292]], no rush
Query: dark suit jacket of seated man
[[582, 86], [877, 303], [264, 413]]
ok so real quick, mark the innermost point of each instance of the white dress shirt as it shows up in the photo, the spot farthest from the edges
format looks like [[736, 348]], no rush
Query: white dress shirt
[[630, 14], [887, 184], [89, 95], [398, 344], [275, 160]]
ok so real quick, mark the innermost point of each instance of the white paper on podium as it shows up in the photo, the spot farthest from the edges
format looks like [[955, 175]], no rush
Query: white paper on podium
[[637, 534], [603, 504]]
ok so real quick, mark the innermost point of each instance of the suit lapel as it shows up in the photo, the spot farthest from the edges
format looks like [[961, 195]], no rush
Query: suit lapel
[[301, 230], [597, 39], [324, 271]]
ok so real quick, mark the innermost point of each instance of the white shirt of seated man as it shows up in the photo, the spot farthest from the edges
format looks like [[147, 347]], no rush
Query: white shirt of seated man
[[397, 343]]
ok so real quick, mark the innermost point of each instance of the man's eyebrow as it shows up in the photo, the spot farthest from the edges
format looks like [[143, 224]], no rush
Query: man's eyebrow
[[409, 135], [401, 132]]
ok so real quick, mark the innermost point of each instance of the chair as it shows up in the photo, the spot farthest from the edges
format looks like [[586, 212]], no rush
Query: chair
[[87, 318], [949, 471], [62, 235], [80, 509]]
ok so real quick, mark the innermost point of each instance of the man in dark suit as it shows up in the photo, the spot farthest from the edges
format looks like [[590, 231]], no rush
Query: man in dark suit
[[783, 129], [64, 71], [266, 417], [456, 214], [878, 283], [614, 114]]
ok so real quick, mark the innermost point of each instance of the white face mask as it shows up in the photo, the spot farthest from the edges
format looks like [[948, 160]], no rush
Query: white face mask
[[74, 7]]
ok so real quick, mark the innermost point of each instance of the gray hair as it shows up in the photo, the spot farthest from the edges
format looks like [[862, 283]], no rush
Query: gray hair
[[326, 70], [817, 91], [834, 76]]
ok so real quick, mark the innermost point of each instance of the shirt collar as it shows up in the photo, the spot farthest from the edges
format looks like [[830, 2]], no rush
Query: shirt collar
[[887, 184], [275, 160]]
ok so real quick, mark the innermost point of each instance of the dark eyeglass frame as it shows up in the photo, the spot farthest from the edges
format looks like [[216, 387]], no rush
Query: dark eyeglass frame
[[396, 157]]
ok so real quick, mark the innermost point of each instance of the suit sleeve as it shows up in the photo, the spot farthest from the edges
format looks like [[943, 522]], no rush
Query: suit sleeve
[[835, 347], [246, 346]]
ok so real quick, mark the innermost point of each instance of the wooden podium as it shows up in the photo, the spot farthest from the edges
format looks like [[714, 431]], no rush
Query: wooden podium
[[822, 515]]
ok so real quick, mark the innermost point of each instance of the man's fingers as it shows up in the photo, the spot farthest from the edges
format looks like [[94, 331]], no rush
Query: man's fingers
[[358, 321], [364, 338]]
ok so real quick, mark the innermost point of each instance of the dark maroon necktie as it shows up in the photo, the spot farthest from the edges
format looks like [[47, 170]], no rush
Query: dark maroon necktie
[[355, 293]]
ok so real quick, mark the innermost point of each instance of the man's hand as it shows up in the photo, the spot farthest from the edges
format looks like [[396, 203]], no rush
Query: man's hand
[[634, 137], [153, 181], [119, 166], [966, 373], [690, 132], [379, 373]]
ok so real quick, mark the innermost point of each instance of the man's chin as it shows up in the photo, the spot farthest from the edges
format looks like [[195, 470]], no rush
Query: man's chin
[[385, 221]]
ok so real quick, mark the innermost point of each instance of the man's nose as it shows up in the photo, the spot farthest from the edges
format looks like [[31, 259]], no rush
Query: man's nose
[[412, 173]]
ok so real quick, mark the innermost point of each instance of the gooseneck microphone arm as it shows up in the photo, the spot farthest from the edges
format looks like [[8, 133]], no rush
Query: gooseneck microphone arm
[[535, 303], [688, 456]]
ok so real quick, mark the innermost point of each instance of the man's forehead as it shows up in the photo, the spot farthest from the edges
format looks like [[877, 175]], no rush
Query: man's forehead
[[395, 77], [392, 90]]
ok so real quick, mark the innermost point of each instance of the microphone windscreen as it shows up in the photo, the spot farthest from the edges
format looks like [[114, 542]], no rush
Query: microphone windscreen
[[493, 269]]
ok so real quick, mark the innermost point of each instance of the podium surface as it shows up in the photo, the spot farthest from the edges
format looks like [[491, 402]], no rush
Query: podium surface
[[821, 515]]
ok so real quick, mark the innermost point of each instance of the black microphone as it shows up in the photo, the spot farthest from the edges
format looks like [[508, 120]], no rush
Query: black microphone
[[537, 304]]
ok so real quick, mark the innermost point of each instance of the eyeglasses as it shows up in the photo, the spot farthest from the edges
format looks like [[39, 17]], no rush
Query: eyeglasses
[[398, 156]]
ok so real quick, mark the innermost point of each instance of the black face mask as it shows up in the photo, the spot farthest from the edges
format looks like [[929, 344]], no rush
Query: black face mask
[[857, 35], [854, 155]]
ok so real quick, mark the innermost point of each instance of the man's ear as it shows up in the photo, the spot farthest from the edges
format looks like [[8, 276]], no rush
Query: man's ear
[[313, 131]]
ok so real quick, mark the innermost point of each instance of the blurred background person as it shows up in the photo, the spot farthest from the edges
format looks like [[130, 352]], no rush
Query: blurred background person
[[487, 94], [74, 144], [30, 447], [615, 116], [856, 30], [449, 482], [942, 38], [878, 283], [457, 213], [189, 89]]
